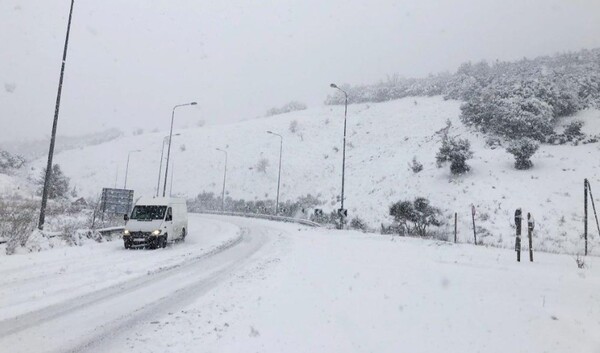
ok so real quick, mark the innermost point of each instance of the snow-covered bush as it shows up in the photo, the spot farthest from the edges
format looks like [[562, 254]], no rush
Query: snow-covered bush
[[493, 142], [9, 161], [415, 166], [416, 216], [286, 108], [358, 224], [261, 165], [17, 221], [294, 126], [573, 129], [523, 149], [457, 152]]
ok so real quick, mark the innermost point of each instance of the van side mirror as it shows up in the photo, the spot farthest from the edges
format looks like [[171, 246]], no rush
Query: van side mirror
[[125, 217]]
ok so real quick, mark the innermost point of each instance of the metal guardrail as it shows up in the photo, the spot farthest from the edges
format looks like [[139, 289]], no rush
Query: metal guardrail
[[305, 222], [111, 230]]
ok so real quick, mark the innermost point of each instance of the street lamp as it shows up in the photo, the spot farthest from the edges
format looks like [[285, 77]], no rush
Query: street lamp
[[342, 214], [162, 151], [279, 176], [127, 166], [224, 178], [169, 149], [54, 126]]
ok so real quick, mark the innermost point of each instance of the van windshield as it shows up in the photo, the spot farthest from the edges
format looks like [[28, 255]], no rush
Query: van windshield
[[148, 213]]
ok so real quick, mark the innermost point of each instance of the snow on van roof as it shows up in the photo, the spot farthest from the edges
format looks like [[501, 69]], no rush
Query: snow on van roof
[[156, 201]]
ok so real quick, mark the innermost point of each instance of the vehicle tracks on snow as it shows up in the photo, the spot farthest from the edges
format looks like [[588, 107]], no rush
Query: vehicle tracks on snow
[[84, 322]]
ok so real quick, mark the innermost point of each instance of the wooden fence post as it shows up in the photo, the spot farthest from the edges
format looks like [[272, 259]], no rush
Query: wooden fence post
[[518, 217], [585, 214], [455, 227], [530, 226], [474, 230]]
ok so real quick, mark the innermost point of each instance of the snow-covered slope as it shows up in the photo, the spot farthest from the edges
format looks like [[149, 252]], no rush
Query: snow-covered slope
[[382, 140]]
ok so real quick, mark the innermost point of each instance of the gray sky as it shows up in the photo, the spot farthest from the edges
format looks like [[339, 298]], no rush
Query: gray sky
[[130, 61]]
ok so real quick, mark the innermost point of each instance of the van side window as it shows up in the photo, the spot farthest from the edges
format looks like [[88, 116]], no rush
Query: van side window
[[169, 215]]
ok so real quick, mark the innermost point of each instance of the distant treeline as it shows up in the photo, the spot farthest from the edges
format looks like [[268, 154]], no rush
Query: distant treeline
[[510, 99]]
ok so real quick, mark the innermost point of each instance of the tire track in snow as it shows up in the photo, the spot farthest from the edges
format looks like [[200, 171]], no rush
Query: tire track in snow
[[36, 318]]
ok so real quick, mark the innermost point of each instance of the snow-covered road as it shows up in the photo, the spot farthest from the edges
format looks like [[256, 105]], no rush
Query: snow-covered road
[[72, 299], [253, 285]]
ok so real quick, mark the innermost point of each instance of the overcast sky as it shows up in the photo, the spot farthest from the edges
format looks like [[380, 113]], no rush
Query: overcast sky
[[130, 61]]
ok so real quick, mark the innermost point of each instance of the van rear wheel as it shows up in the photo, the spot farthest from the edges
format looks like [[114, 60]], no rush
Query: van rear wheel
[[183, 233]]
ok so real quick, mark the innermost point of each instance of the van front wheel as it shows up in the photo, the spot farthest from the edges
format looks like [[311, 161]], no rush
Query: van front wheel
[[183, 233]]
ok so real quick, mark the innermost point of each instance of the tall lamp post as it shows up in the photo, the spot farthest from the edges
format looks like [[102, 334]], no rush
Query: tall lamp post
[[127, 166], [224, 178], [342, 211], [162, 152], [169, 149], [48, 175], [279, 176]]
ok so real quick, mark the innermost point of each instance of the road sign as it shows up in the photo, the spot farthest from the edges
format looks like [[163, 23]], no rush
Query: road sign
[[343, 212], [116, 201]]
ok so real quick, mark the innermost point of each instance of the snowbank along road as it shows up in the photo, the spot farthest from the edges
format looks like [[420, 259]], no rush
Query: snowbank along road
[[242, 285]]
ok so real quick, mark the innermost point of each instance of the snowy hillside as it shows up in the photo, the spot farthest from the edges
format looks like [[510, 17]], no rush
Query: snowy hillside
[[383, 138]]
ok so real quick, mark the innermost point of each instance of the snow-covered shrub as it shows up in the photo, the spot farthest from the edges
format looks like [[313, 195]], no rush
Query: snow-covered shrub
[[286, 108], [58, 186], [17, 221], [9, 161], [523, 150], [262, 165], [457, 152], [294, 126], [358, 224], [573, 129], [512, 116], [415, 166], [493, 142], [580, 261], [416, 216]]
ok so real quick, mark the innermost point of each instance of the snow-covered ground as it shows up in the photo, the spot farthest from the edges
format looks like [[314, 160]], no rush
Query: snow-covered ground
[[289, 288], [382, 140]]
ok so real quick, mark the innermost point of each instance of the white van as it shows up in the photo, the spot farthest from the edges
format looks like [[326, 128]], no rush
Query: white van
[[155, 221]]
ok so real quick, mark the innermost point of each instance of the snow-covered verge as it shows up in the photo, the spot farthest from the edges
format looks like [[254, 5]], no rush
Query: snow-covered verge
[[383, 138], [318, 290], [31, 281], [66, 225]]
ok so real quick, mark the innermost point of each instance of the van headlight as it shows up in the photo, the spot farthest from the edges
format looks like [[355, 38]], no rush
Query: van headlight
[[156, 232], [126, 232]]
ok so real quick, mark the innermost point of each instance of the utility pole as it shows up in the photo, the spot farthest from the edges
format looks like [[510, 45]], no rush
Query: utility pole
[[48, 175]]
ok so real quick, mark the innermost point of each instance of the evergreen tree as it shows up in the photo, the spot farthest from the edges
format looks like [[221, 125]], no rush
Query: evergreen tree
[[58, 186]]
